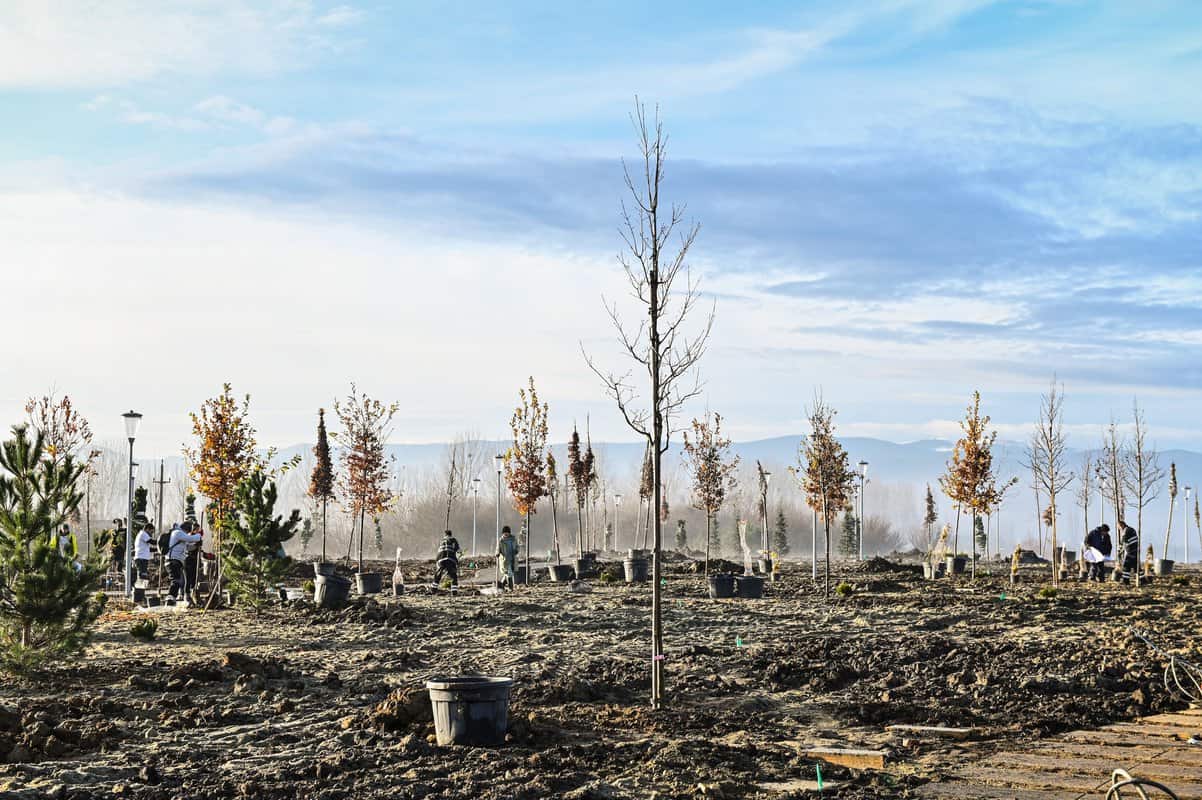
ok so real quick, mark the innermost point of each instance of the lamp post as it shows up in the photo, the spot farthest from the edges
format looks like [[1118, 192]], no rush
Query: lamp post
[[499, 460], [617, 519], [132, 420], [764, 509], [1185, 512], [863, 478], [475, 503]]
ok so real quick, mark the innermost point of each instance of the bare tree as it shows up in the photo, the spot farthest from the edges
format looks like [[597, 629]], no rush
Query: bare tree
[[1085, 486], [1047, 460], [1143, 473], [660, 345], [1111, 472]]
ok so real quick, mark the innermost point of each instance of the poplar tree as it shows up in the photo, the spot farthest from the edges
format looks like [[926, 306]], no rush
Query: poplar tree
[[929, 516], [849, 539], [321, 482], [48, 599]]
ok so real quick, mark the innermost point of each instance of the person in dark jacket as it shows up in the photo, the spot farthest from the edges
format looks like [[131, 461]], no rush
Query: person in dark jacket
[[447, 559], [1129, 550], [1099, 539]]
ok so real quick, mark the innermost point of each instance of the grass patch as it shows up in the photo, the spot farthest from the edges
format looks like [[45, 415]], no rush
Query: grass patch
[[144, 629]]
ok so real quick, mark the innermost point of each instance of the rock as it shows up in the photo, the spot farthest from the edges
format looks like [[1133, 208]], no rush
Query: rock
[[403, 710], [149, 775], [249, 684], [20, 754]]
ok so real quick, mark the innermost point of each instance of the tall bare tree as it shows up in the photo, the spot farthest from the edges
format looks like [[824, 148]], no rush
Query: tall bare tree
[[1086, 483], [1047, 460], [1143, 473], [1111, 472], [661, 345]]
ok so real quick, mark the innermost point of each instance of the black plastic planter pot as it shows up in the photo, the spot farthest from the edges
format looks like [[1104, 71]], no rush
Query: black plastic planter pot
[[585, 568], [519, 575], [331, 591], [323, 568], [765, 566], [470, 710], [722, 586], [369, 582], [956, 565], [1164, 566], [749, 586], [561, 573], [637, 569]]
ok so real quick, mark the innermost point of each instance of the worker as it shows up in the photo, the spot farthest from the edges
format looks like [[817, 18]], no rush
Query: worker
[[1098, 539], [447, 560], [182, 538], [507, 556]]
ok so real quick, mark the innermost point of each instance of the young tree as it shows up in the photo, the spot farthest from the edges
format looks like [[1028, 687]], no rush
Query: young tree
[[712, 465], [1143, 473], [646, 489], [1085, 487], [366, 469], [306, 534], [592, 485], [224, 454], [929, 517], [1172, 503], [254, 540], [1111, 472], [982, 536], [552, 492], [824, 473], [849, 538], [321, 482], [65, 431], [525, 460], [578, 476], [1047, 461], [682, 537], [970, 479], [660, 344], [48, 601], [780, 535]]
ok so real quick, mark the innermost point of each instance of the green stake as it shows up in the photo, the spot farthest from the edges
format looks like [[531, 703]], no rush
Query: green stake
[[819, 768]]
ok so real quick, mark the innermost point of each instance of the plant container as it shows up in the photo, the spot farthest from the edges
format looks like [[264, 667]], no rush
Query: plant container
[[956, 564], [1164, 566], [323, 568], [562, 573], [369, 582], [470, 710], [749, 586], [637, 569], [722, 586], [331, 591]]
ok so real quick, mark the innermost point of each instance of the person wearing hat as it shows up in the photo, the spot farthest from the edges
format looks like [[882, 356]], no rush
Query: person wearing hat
[[182, 538], [507, 556]]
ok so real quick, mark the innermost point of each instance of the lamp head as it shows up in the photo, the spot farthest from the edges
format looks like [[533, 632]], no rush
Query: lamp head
[[132, 420]]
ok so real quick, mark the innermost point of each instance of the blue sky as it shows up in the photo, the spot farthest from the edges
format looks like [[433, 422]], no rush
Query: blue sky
[[900, 202]]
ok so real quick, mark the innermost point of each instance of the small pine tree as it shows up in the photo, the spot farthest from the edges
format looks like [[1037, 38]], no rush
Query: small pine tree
[[190, 507], [306, 534], [379, 537], [780, 535], [140, 498], [849, 538], [254, 540], [682, 536], [48, 600], [982, 537], [321, 481]]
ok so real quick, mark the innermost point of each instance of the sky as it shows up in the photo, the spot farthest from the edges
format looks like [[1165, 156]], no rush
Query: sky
[[900, 201]]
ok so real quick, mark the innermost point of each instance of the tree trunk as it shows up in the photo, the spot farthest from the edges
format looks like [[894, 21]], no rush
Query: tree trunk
[[323, 529], [1056, 565], [973, 572], [529, 541], [555, 530], [579, 528], [362, 530], [956, 537], [1168, 534], [708, 524], [827, 527]]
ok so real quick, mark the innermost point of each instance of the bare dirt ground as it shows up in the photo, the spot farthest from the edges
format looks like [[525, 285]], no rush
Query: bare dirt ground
[[314, 704]]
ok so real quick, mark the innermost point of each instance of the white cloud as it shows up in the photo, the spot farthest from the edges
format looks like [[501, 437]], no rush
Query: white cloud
[[79, 43]]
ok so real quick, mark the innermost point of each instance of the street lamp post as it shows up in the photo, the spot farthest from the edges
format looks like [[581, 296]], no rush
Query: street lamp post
[[863, 478], [1185, 512], [475, 503], [132, 420], [499, 461], [617, 519]]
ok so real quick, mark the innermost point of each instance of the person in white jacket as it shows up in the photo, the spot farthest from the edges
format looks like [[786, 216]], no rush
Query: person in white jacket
[[182, 538], [142, 553]]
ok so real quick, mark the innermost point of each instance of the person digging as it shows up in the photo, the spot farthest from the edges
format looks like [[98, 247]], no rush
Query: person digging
[[447, 560]]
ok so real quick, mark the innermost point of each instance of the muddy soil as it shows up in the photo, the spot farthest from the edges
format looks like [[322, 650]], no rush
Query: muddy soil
[[306, 703]]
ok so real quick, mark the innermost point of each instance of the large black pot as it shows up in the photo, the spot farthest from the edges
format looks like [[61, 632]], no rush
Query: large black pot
[[749, 586], [470, 710], [562, 573], [722, 586], [637, 569], [369, 582]]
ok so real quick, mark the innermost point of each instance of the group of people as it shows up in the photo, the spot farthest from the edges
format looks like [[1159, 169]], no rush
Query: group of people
[[180, 550], [446, 559], [1127, 558]]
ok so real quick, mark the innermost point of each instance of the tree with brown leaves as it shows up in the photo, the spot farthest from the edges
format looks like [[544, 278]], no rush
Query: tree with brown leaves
[[970, 478], [366, 468], [709, 459], [321, 482], [578, 477], [525, 460], [64, 431], [824, 473]]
